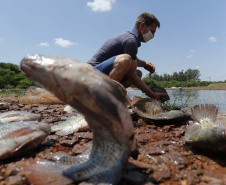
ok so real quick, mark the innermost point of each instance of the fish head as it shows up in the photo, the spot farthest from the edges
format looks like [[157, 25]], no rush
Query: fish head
[[79, 85], [60, 75]]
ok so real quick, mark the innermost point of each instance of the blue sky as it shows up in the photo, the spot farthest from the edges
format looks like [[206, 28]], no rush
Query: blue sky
[[192, 32]]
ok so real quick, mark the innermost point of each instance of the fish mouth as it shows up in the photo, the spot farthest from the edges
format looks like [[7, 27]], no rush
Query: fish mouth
[[32, 66]]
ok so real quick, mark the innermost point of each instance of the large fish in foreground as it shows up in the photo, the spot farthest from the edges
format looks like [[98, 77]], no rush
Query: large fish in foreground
[[208, 131], [20, 137], [103, 105]]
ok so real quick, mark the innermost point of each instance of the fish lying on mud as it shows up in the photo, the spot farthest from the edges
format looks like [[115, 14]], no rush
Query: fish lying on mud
[[71, 125], [151, 111], [207, 132], [44, 172], [103, 105], [15, 116], [19, 137]]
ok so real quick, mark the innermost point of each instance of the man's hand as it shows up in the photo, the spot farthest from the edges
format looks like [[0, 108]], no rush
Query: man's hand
[[150, 67], [159, 96]]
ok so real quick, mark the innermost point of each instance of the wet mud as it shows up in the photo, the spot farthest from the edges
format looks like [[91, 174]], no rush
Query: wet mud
[[158, 155]]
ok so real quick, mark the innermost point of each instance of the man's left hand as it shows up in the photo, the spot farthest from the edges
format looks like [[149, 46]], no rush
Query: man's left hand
[[150, 67]]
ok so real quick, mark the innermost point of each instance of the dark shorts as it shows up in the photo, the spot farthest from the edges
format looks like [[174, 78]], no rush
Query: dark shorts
[[106, 66]]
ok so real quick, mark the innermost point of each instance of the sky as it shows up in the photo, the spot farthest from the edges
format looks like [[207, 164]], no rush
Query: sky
[[192, 33]]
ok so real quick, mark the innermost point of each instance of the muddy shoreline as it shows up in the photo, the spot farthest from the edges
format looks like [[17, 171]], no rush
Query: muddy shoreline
[[158, 155]]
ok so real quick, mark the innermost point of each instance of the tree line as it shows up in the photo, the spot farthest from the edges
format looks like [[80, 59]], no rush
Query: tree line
[[11, 77], [188, 78]]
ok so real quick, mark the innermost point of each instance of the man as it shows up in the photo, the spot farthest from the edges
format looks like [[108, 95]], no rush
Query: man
[[117, 57]]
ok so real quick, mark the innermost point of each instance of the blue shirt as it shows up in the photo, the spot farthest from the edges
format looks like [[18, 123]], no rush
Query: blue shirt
[[125, 43]]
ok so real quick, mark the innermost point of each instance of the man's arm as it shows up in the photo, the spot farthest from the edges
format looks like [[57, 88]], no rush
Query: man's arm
[[131, 75], [146, 65], [140, 63]]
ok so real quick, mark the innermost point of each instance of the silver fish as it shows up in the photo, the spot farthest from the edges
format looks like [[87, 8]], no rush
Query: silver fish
[[71, 125], [207, 131], [14, 116], [101, 102], [19, 137]]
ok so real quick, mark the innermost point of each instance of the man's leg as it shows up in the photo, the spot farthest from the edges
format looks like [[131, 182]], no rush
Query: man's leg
[[121, 66], [126, 83]]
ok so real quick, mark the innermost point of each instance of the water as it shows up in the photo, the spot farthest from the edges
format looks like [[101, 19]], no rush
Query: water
[[193, 97]]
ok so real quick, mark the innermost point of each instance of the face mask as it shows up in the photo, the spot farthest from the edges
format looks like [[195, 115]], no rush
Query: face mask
[[147, 36]]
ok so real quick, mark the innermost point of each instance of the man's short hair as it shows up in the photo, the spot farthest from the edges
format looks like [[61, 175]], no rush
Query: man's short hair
[[148, 19]]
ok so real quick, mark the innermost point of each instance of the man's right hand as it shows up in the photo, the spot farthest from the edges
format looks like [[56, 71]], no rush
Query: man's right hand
[[159, 96]]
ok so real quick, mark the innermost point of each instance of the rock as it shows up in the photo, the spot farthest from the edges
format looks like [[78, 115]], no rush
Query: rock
[[4, 105], [135, 177], [161, 173]]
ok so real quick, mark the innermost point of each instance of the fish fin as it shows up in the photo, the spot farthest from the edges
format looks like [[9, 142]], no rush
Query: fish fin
[[43, 172], [191, 129], [202, 111]]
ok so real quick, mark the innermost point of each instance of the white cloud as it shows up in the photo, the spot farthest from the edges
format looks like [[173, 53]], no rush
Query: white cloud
[[44, 44], [213, 39], [189, 56], [63, 43], [197, 67], [193, 50], [101, 5]]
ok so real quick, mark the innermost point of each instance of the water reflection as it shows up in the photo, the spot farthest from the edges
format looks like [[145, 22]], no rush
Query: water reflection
[[192, 97]]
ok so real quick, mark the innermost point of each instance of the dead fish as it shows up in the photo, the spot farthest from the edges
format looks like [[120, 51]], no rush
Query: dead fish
[[151, 111], [71, 125], [70, 109], [103, 105], [19, 137], [207, 131], [43, 172], [15, 116]]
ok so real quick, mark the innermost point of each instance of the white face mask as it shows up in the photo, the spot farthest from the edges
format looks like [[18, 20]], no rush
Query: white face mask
[[147, 36]]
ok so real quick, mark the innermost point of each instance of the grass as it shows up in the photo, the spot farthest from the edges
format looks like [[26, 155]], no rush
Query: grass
[[12, 92], [176, 104]]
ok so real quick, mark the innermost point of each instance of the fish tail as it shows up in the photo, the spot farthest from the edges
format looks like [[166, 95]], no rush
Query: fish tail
[[202, 111]]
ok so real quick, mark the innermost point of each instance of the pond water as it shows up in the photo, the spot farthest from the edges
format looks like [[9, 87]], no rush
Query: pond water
[[192, 97]]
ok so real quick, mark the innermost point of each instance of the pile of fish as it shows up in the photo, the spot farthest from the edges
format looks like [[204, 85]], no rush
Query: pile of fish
[[102, 106], [20, 132]]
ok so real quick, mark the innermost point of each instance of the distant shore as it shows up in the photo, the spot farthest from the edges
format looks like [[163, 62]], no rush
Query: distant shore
[[198, 88], [217, 86]]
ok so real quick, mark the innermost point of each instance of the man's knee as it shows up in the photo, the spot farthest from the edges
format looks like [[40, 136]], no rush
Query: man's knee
[[139, 73], [123, 61]]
